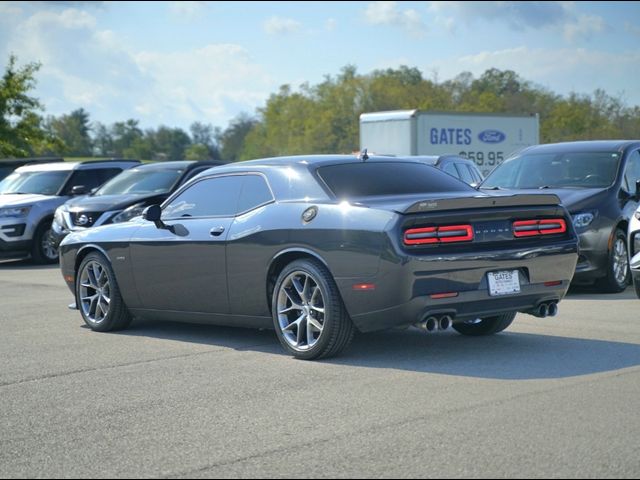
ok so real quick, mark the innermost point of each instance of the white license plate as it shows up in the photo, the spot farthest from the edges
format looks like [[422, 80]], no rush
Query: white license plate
[[503, 283]]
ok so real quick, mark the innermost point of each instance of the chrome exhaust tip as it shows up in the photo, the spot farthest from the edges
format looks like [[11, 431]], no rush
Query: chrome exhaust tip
[[553, 309], [543, 310], [444, 322], [431, 324]]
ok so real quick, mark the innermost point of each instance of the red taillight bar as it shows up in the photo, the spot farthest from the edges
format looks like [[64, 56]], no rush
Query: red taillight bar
[[448, 234], [530, 228]]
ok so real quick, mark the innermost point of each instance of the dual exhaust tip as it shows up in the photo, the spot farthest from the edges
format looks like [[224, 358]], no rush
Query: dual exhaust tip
[[435, 322], [549, 309]]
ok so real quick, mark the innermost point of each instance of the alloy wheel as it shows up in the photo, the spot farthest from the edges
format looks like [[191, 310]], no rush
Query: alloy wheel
[[301, 311], [620, 262], [95, 292], [48, 246]]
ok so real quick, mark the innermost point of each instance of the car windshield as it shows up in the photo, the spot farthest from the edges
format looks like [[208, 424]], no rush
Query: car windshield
[[140, 182], [556, 170], [42, 183], [354, 180]]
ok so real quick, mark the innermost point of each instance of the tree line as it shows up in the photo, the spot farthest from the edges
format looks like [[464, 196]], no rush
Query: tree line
[[321, 118]]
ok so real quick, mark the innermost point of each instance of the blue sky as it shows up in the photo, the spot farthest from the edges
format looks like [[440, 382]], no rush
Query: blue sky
[[174, 63]]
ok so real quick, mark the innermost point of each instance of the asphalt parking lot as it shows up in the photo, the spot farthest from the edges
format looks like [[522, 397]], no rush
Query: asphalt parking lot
[[556, 397]]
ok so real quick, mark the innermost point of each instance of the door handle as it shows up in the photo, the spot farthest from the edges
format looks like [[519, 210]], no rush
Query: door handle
[[216, 231]]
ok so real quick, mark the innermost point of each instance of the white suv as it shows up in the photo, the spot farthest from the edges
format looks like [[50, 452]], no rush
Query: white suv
[[30, 196]]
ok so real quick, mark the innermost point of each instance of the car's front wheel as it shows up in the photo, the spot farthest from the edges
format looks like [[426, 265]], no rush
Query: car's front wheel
[[44, 250], [485, 326], [98, 296], [618, 272], [308, 314]]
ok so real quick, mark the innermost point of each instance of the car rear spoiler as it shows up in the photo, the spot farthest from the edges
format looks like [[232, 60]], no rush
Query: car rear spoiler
[[525, 200]]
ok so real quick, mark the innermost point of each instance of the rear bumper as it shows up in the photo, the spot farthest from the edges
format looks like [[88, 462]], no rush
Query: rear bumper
[[466, 306], [403, 290]]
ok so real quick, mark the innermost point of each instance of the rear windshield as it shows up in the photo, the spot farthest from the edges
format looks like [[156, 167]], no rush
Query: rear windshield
[[354, 180]]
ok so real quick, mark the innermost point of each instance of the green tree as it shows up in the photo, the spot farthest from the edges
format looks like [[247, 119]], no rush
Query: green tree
[[73, 130], [21, 127], [205, 134], [232, 139], [123, 135], [197, 151]]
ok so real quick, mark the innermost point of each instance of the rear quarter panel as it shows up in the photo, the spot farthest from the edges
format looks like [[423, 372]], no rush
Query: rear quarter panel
[[348, 239]]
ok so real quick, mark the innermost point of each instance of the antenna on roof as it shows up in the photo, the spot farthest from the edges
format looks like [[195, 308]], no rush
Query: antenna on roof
[[363, 155]]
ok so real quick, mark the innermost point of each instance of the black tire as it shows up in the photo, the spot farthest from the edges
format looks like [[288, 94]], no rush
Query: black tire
[[611, 283], [41, 253], [117, 316], [485, 326], [337, 328]]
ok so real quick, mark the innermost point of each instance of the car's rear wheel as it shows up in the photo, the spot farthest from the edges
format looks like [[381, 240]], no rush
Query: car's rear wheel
[[44, 250], [308, 314], [485, 326], [98, 296], [618, 271]]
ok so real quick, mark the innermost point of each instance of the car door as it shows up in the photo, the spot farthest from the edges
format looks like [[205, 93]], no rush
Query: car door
[[183, 267], [631, 175]]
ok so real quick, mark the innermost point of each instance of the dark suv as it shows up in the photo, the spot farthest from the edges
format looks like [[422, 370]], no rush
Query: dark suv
[[125, 196], [596, 181]]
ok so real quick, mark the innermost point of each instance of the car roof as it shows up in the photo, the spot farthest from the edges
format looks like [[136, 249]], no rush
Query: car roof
[[69, 166], [584, 146], [178, 164], [304, 161]]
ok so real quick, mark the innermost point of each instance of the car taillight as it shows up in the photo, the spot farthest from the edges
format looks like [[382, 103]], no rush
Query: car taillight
[[531, 228], [430, 235]]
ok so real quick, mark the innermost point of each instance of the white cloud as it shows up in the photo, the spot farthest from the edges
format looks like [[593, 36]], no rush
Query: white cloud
[[331, 24], [279, 25], [561, 70], [519, 15], [388, 13], [584, 27], [187, 10], [84, 66]]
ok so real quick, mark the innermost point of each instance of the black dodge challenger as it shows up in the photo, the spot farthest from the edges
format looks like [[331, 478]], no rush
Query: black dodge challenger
[[318, 247]]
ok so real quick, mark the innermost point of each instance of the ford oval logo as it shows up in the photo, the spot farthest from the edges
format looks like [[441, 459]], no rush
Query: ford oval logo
[[492, 136]]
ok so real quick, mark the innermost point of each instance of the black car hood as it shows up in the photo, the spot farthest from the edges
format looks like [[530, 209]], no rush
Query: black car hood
[[105, 203], [573, 199]]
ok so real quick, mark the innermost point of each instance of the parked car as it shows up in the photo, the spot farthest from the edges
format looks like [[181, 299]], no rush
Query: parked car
[[596, 181], [320, 246], [459, 167], [30, 196], [124, 196], [8, 165]]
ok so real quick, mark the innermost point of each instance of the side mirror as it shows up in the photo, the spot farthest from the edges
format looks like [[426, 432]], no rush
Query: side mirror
[[153, 213], [78, 190]]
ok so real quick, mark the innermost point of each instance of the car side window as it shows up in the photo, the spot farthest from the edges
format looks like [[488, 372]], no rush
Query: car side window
[[90, 178], [632, 171], [450, 168], [465, 174], [255, 192], [211, 197]]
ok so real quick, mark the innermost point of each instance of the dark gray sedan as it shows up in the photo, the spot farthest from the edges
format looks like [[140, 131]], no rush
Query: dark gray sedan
[[318, 247], [597, 182]]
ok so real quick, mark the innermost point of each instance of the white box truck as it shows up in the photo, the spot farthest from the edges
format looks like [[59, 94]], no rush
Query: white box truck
[[487, 139]]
